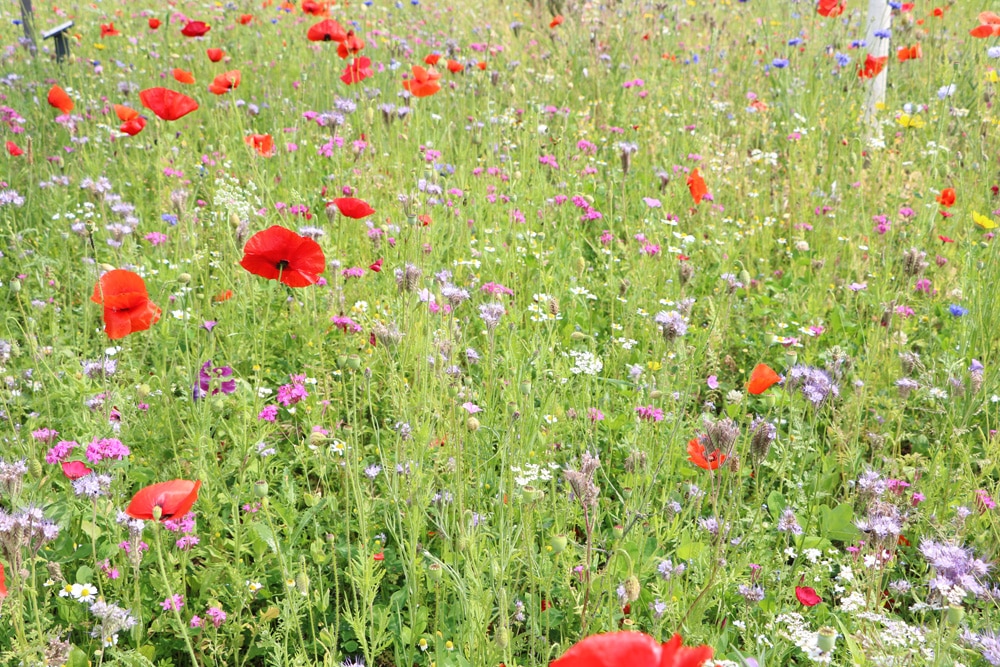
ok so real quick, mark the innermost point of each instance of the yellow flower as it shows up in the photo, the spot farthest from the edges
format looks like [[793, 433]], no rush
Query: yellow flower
[[983, 221], [906, 120]]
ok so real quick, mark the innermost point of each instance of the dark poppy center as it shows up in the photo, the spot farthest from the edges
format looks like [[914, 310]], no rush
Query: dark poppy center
[[327, 37], [283, 264]]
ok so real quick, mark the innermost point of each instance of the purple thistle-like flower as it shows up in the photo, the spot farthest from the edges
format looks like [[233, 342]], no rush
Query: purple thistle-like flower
[[954, 566], [787, 523], [814, 383]]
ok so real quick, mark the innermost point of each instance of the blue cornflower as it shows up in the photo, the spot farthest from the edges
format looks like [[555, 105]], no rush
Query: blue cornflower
[[780, 63], [843, 60], [883, 34], [794, 41], [859, 44], [957, 311]]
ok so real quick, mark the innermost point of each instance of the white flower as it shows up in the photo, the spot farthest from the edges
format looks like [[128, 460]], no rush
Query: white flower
[[85, 592]]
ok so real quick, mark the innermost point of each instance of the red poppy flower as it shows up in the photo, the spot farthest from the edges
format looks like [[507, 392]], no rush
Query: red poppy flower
[[182, 76], [761, 379], [947, 197], [75, 469], [557, 20], [133, 126], [215, 55], [154, 23], [696, 185], [314, 8], [945, 239], [125, 113], [60, 100], [167, 104], [127, 307], [222, 297], [807, 596], [424, 82], [985, 30], [830, 8], [327, 30], [166, 500], [377, 266], [455, 67], [910, 53], [3, 583], [481, 65], [195, 29], [225, 82], [634, 649], [14, 149], [872, 66], [108, 30], [432, 59], [357, 71], [280, 254], [245, 19], [696, 455], [425, 220], [353, 208], [262, 143], [351, 45], [380, 556]]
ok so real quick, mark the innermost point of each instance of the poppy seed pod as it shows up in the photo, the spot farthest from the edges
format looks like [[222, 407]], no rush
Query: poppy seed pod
[[558, 543], [435, 573], [260, 489], [826, 639]]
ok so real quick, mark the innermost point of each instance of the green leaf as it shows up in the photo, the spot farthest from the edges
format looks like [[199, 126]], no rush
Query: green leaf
[[77, 658], [838, 523], [689, 550], [84, 574], [776, 504]]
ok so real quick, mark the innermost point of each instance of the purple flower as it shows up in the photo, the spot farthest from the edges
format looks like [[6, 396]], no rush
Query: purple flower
[[174, 602], [106, 448], [649, 413], [207, 374]]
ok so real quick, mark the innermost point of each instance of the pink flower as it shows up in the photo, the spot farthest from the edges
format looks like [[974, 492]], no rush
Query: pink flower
[[471, 407]]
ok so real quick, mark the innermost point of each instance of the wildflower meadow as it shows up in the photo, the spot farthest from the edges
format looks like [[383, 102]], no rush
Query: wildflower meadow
[[455, 333]]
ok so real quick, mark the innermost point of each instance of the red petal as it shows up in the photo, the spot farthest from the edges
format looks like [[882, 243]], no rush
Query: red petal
[[353, 208], [614, 649], [60, 100], [167, 104], [174, 498]]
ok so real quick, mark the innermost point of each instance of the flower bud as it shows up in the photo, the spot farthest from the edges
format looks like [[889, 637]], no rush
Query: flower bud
[[502, 637], [143, 390], [354, 362], [558, 543], [184, 278], [826, 639], [15, 285], [632, 588], [302, 583], [260, 489], [472, 424], [435, 573]]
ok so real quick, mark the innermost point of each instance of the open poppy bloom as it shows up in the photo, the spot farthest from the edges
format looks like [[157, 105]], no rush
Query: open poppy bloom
[[245, 19], [133, 126], [455, 67], [125, 113], [166, 500], [154, 23], [432, 59], [696, 455], [357, 71], [761, 379], [807, 596], [127, 307], [989, 25], [109, 30], [14, 149], [351, 45], [278, 253], [313, 8], [167, 104], [872, 66], [830, 8], [262, 143], [182, 76], [225, 82], [632, 649], [75, 469], [696, 185], [60, 100], [424, 82], [556, 20], [947, 197], [215, 55], [195, 29], [352, 207], [910, 53], [327, 30]]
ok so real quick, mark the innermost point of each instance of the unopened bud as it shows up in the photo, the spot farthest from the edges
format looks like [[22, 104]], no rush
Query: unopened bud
[[632, 588], [472, 424], [184, 278], [302, 583]]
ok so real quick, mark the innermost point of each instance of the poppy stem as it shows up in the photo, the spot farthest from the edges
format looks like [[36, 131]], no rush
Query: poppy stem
[[170, 595]]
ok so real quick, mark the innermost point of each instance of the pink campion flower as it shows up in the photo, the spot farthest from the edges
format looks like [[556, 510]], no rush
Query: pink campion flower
[[268, 414], [595, 415], [905, 311], [60, 451], [216, 615], [651, 249], [496, 288], [984, 501], [471, 407], [345, 324], [353, 272], [923, 285], [174, 602], [45, 436], [606, 237], [196, 621], [649, 413], [156, 238], [106, 448], [290, 394]]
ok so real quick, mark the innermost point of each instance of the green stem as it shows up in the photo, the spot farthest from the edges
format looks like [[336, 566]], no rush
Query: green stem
[[170, 596]]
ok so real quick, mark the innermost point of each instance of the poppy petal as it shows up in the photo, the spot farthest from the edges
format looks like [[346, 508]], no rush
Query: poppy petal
[[167, 104], [60, 100], [174, 499], [761, 379]]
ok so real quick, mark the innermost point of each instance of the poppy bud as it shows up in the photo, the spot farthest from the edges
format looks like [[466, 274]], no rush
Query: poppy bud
[[954, 615], [143, 390], [106, 267], [435, 573], [558, 543], [826, 639], [461, 543], [302, 583], [578, 335], [632, 588], [316, 438], [533, 494], [354, 362], [472, 424], [655, 394], [15, 285], [184, 278], [341, 360], [525, 388], [218, 405], [502, 637], [260, 489], [35, 468], [234, 220]]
